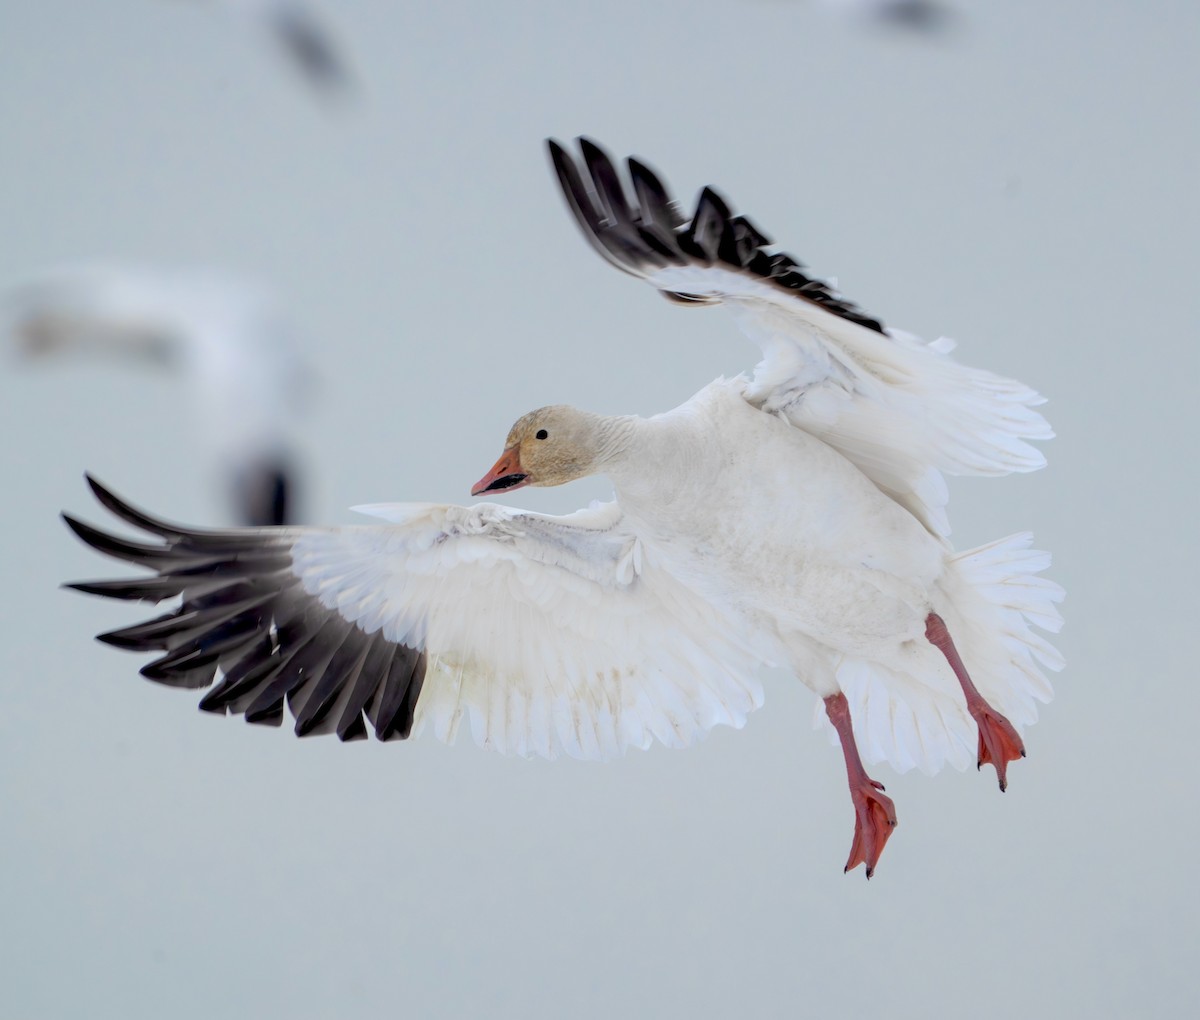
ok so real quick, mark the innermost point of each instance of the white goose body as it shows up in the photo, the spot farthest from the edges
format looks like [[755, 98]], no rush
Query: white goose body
[[772, 522], [794, 518]]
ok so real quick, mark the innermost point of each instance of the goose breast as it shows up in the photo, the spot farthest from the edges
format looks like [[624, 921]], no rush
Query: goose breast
[[776, 525]]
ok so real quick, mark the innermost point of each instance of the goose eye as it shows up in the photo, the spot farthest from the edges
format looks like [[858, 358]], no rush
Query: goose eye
[[542, 434]]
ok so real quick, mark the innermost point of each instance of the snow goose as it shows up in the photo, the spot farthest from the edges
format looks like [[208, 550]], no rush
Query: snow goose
[[228, 339], [795, 518]]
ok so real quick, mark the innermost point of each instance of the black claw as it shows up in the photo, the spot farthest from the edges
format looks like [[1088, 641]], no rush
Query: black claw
[[870, 872]]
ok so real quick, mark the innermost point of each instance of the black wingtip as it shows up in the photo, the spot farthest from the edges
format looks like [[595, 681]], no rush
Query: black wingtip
[[269, 715], [265, 492], [105, 496], [111, 545], [244, 616], [599, 206], [592, 149], [131, 514], [139, 589], [84, 532], [642, 231], [639, 168], [559, 159], [117, 639]]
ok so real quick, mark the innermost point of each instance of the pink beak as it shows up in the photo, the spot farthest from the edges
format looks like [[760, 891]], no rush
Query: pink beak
[[506, 474]]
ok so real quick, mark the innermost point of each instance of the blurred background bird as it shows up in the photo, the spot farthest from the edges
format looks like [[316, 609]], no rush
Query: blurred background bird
[[915, 15], [229, 339], [303, 38]]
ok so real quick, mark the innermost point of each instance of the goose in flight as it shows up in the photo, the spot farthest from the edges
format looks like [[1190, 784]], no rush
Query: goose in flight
[[795, 517], [228, 339]]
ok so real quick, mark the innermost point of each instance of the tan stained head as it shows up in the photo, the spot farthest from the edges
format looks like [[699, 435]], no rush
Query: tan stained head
[[549, 446]]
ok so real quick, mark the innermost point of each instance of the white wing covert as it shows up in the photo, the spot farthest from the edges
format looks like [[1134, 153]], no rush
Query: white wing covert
[[899, 408], [548, 634]]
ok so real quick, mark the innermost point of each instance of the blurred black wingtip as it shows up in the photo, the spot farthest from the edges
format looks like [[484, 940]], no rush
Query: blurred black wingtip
[[265, 492]]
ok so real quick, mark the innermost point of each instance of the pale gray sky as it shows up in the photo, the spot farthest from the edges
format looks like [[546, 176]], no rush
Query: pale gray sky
[[1026, 184]]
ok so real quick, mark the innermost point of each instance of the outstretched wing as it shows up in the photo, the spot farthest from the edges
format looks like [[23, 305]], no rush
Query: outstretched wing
[[552, 634], [901, 409]]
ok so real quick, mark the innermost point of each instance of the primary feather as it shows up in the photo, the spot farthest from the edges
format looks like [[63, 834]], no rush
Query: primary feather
[[902, 410]]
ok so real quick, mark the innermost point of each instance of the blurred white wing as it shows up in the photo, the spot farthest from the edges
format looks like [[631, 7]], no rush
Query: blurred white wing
[[229, 340], [900, 409], [548, 634]]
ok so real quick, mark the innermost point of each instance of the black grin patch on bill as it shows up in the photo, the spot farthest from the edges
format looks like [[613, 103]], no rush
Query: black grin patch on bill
[[506, 482]]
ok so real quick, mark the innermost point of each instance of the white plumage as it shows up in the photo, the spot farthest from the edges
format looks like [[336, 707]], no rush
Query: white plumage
[[795, 518], [611, 649]]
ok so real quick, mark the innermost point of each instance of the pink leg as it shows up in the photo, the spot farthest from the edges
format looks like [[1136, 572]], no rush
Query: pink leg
[[874, 814], [998, 740]]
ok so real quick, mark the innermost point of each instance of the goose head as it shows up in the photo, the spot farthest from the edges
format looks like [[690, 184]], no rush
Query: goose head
[[549, 446]]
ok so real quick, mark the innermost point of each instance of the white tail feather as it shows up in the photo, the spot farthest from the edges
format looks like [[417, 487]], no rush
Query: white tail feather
[[916, 716]]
